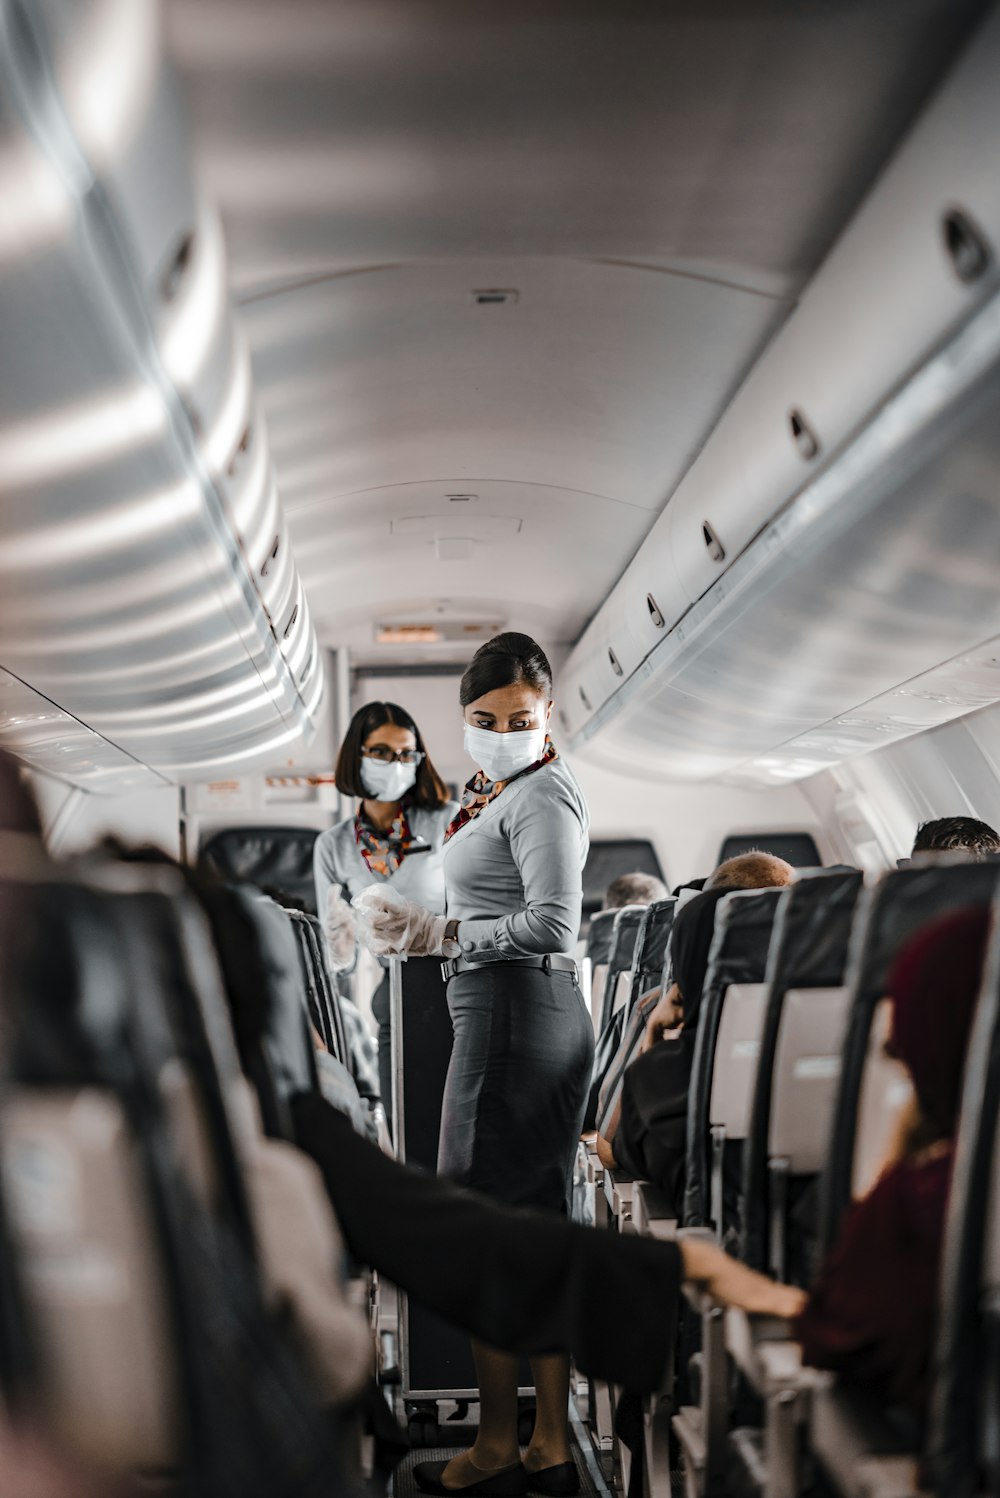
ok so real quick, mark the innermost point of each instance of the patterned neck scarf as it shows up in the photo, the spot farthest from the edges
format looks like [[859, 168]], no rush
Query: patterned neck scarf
[[383, 852], [480, 790]]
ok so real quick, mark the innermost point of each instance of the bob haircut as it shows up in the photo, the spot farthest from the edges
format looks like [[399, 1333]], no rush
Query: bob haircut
[[506, 661], [430, 791]]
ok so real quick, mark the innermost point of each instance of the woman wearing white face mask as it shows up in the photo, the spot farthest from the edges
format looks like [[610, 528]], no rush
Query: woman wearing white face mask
[[523, 1049], [396, 837]]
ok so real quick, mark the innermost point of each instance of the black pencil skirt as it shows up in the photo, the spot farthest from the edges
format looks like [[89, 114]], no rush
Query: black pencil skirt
[[517, 1084]]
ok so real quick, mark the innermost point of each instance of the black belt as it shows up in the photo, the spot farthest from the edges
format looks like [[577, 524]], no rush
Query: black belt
[[553, 962]]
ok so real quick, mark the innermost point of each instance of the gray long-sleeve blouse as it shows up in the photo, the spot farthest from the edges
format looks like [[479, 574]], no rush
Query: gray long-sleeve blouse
[[514, 874], [337, 861]]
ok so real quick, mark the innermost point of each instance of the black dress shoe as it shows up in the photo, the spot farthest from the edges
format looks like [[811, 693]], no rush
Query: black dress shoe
[[509, 1482], [555, 1481]]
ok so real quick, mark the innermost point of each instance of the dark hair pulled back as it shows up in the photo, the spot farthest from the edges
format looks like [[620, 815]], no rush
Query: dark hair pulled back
[[508, 660]]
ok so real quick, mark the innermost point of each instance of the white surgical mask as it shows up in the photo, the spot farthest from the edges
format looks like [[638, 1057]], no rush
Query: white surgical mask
[[502, 755], [387, 782]]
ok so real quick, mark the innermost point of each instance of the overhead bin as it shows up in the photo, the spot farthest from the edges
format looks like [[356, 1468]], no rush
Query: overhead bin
[[147, 586], [774, 595]]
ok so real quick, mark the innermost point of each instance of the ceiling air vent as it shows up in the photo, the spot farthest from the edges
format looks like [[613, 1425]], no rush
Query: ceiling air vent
[[461, 499], [616, 664], [585, 700], [654, 611]]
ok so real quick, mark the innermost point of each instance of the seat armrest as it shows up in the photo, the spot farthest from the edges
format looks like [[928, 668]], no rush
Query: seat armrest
[[889, 1477], [701, 1300], [618, 1188], [652, 1215], [595, 1167], [765, 1352], [859, 1451]]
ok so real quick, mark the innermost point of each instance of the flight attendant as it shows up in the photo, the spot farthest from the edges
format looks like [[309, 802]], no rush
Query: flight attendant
[[523, 1043], [396, 837]]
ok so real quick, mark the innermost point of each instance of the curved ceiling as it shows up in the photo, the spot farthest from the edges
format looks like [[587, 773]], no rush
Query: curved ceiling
[[561, 418], [656, 184]]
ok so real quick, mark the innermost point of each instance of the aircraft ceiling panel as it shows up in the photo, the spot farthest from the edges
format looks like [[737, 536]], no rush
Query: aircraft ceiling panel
[[656, 185], [735, 136], [560, 419]]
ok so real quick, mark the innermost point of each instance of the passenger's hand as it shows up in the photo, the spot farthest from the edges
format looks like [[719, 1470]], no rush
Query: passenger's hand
[[734, 1284], [390, 925], [341, 934], [668, 1014]]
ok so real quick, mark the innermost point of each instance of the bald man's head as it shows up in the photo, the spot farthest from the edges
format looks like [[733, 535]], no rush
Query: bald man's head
[[751, 871]]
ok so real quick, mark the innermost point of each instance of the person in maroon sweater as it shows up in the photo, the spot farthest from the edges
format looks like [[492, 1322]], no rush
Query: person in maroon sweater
[[872, 1311]]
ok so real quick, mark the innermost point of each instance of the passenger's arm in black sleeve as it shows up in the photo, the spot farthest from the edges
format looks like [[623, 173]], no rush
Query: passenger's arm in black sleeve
[[520, 1280]]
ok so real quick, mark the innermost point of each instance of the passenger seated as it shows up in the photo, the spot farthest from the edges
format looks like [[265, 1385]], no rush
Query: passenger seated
[[627, 889], [872, 1310], [655, 1091], [753, 870], [871, 1313], [649, 1136], [633, 889], [957, 834]]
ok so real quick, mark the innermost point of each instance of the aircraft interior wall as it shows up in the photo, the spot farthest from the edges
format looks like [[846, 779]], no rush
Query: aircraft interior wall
[[74, 819], [875, 801], [863, 811]]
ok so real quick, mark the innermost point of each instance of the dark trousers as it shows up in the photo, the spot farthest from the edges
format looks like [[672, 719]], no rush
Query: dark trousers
[[522, 1280]]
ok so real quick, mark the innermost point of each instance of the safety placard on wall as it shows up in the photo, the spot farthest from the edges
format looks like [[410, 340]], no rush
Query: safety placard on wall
[[235, 794]]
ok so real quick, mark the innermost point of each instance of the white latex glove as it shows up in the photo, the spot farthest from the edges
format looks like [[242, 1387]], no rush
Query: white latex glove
[[389, 924], [341, 936]]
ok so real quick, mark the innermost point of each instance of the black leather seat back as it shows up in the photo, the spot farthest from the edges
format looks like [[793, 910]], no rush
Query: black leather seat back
[[739, 952], [625, 933], [269, 857], [808, 950], [650, 959], [93, 978], [265, 983]]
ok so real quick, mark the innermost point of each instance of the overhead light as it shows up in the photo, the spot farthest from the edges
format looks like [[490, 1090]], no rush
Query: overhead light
[[407, 634]]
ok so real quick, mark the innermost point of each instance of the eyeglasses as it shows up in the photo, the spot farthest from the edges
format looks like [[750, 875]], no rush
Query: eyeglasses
[[386, 756]]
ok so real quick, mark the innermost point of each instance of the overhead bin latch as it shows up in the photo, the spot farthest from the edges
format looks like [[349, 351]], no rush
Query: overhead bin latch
[[803, 436], [967, 246], [716, 550]]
